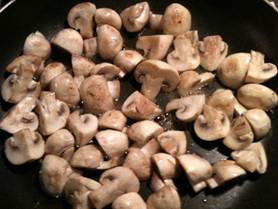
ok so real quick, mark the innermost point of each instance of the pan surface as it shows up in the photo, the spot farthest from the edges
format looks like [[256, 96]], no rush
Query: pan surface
[[244, 25]]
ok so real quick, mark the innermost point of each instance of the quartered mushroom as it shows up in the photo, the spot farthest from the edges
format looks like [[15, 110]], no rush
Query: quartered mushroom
[[113, 119], [239, 109], [52, 70], [108, 70], [187, 108], [157, 183], [90, 47], [108, 16], [154, 46], [81, 66], [129, 200], [83, 126], [136, 16], [114, 183], [155, 75], [185, 56], [165, 165], [155, 21], [36, 44], [139, 107], [24, 146], [114, 88], [80, 17]]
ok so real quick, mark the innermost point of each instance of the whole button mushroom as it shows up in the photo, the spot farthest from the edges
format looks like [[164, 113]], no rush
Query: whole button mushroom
[[81, 17], [81, 66], [108, 16], [24, 146], [90, 47], [166, 165], [176, 19], [155, 21], [50, 72], [136, 16], [129, 200], [113, 119]]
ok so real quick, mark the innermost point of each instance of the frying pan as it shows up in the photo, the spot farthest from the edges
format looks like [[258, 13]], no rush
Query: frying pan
[[244, 25]]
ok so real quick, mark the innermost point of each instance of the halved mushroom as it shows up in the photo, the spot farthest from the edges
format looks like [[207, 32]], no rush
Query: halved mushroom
[[51, 71], [155, 75], [257, 96], [80, 17], [212, 124], [155, 21], [24, 146], [166, 165], [136, 16], [109, 41], [129, 200], [186, 54], [108, 16], [69, 40], [83, 126], [53, 113], [173, 142], [90, 47], [252, 158], [176, 19], [259, 121], [60, 143], [154, 46], [113, 119], [197, 169], [115, 182], [20, 116], [81, 66], [187, 108], [108, 70], [139, 107], [213, 51], [157, 183], [224, 171]]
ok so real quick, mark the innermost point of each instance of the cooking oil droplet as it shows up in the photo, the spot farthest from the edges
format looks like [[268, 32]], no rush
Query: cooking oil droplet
[[205, 200], [116, 100]]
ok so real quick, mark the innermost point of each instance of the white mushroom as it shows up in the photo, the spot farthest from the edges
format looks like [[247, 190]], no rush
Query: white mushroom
[[52, 70], [81, 66], [90, 47], [155, 21], [108, 70], [108, 16], [114, 88], [157, 183], [129, 200], [166, 165], [113, 119]]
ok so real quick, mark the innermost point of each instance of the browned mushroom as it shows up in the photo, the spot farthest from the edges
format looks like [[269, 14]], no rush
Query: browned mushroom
[[113, 119], [129, 200], [108, 16], [108, 70], [155, 21]]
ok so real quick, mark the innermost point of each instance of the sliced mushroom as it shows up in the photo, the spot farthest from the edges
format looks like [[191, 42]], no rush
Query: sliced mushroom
[[187, 108], [81, 66], [24, 146], [129, 200], [213, 51], [253, 158], [69, 40], [157, 183], [136, 16], [212, 124], [113, 119], [139, 107], [83, 126], [51, 71], [155, 75], [90, 47], [20, 116], [185, 55], [155, 21], [109, 71], [108, 16], [197, 169], [80, 17], [165, 164], [154, 46], [115, 182], [109, 41]]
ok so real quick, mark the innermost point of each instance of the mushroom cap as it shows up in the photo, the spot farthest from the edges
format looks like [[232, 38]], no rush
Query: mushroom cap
[[90, 47], [52, 70], [257, 96], [212, 124], [114, 88], [176, 19], [113, 119], [135, 17], [24, 146], [155, 21], [157, 183], [81, 66], [129, 200], [165, 164], [108, 16], [109, 71], [81, 17], [188, 108]]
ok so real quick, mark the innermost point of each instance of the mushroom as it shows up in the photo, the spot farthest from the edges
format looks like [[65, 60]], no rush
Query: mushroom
[[53, 113], [239, 109], [173, 142], [212, 124], [109, 71], [114, 88], [185, 56], [155, 21], [95, 94], [166, 198], [109, 41], [65, 89], [213, 51], [60, 143], [81, 66], [24, 146], [157, 183], [252, 158], [69, 40], [83, 126], [240, 135], [129, 200], [78, 80], [80, 17], [139, 107], [20, 116], [232, 71], [176, 19], [197, 169], [113, 119], [187, 108], [108, 16], [224, 171], [154, 46], [90, 47], [155, 75], [259, 121], [52, 70], [115, 182], [165, 164], [136, 16], [257, 96]]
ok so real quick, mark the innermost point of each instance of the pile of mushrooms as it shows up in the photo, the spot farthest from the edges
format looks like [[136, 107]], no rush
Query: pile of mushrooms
[[69, 116]]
